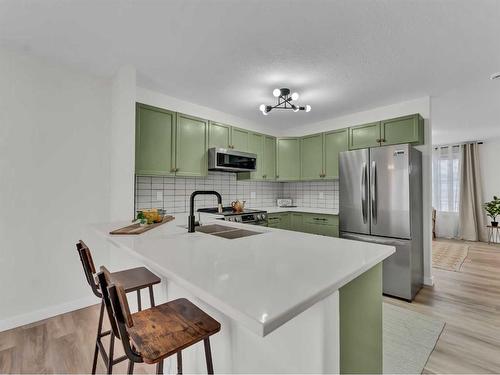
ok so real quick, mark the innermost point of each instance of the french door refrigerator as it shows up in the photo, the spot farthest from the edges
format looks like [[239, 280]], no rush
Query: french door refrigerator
[[380, 201]]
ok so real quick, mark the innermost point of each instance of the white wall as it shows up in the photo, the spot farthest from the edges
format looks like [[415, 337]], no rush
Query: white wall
[[161, 100], [122, 144], [489, 154], [54, 179]]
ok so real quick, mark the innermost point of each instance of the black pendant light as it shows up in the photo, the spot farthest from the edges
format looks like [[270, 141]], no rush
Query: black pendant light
[[284, 101]]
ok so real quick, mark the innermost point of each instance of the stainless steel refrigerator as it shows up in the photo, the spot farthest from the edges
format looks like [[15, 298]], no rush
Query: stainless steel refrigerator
[[380, 201]]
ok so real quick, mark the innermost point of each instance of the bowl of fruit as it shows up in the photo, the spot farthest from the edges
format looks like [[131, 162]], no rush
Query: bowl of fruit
[[150, 216]]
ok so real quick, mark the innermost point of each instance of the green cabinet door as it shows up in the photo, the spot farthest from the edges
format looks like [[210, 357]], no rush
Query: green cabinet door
[[296, 222], [280, 220], [288, 159], [311, 157], [335, 142], [191, 146], [219, 135], [406, 129], [256, 146], [154, 141], [239, 139], [269, 161], [363, 136]]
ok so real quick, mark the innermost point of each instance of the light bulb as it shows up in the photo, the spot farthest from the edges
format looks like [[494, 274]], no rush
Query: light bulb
[[262, 107], [308, 108], [295, 96], [276, 92]]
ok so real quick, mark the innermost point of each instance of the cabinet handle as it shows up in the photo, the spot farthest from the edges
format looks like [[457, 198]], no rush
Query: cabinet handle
[[277, 176], [383, 140], [177, 169], [378, 140], [264, 176]]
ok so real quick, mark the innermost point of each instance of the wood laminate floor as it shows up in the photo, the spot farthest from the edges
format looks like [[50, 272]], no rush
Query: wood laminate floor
[[467, 300]]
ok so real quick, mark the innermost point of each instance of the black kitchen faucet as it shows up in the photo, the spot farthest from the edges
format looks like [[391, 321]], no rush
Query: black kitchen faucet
[[191, 220]]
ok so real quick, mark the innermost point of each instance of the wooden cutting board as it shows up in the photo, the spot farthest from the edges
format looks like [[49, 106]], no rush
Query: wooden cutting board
[[137, 229]]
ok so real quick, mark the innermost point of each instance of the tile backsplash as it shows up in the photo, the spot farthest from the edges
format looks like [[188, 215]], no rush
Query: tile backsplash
[[172, 193], [315, 194]]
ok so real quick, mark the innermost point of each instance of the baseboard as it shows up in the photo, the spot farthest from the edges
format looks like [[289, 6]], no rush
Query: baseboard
[[429, 281], [48, 312]]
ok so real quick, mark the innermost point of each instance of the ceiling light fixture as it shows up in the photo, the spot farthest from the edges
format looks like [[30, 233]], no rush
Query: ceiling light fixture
[[284, 101], [495, 76]]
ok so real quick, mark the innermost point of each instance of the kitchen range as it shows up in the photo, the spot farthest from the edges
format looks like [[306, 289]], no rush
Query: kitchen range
[[247, 216]]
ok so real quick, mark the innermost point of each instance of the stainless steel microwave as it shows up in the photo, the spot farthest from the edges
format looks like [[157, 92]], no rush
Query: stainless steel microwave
[[223, 159]]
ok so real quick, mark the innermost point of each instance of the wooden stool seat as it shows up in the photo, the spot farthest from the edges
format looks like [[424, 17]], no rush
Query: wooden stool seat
[[166, 329], [135, 278]]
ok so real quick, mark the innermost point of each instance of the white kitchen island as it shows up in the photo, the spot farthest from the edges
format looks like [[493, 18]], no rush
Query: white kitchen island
[[276, 293]]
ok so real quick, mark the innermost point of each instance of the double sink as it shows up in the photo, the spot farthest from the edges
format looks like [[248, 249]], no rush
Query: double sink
[[224, 231]]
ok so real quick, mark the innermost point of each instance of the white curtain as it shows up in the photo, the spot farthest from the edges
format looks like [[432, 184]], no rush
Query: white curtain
[[446, 168]]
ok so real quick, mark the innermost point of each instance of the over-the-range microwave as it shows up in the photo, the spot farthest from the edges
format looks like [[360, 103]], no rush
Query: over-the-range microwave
[[227, 160]]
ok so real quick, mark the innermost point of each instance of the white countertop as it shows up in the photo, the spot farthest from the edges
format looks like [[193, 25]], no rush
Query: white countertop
[[261, 281]]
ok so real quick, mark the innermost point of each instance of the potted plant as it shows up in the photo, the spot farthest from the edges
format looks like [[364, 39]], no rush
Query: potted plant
[[492, 209]]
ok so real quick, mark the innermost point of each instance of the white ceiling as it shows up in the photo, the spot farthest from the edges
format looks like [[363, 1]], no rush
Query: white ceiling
[[341, 56]]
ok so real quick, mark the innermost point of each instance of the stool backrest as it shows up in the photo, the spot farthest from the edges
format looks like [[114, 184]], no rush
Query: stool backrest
[[88, 266], [104, 281], [123, 318]]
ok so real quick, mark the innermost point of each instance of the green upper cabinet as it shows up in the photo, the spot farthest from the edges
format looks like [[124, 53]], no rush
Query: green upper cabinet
[[311, 157], [269, 160], [288, 159], [191, 146], [363, 136], [219, 135], [406, 129], [334, 142], [239, 139], [154, 136], [256, 146]]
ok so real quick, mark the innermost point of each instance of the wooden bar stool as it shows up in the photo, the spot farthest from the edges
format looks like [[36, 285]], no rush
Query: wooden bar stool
[[154, 334], [133, 280]]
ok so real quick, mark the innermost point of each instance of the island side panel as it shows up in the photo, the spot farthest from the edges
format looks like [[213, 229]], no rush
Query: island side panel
[[361, 324]]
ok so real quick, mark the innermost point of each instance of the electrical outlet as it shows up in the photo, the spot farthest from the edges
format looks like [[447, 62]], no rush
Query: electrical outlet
[[253, 195], [321, 195], [159, 195]]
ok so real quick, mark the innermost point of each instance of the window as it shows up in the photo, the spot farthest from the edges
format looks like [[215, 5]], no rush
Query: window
[[446, 178]]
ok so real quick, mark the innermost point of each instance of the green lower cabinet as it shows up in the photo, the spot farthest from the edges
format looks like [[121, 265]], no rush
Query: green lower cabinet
[[406, 129], [363, 136], [311, 157], [280, 220], [154, 141], [191, 146], [296, 222], [325, 225], [334, 142], [322, 224], [288, 159], [360, 303]]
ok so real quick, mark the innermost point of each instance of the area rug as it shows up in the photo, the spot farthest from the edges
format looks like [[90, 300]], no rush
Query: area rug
[[448, 255], [409, 339]]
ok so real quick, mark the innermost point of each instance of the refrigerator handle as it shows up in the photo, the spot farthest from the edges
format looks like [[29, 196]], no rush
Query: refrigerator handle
[[363, 193], [373, 191]]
